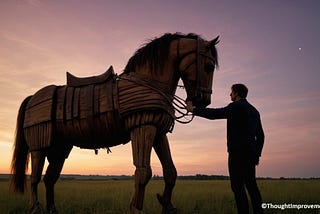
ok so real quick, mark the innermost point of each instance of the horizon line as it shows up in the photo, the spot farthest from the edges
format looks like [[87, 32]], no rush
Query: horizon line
[[160, 176]]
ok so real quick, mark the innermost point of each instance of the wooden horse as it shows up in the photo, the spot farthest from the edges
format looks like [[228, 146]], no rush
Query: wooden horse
[[108, 110]]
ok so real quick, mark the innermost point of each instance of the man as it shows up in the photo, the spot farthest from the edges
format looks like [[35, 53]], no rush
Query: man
[[245, 139]]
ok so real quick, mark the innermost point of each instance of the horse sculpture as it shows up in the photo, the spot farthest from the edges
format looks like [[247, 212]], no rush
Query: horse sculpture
[[109, 110]]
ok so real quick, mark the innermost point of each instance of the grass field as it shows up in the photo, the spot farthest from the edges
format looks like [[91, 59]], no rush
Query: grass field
[[190, 196]]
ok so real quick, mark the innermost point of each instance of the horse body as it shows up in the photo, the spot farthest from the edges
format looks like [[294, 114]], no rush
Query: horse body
[[83, 113], [106, 111]]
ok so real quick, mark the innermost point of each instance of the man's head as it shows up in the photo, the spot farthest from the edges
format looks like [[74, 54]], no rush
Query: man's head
[[238, 91]]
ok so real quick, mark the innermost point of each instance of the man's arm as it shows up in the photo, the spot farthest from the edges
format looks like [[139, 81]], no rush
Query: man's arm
[[211, 113]]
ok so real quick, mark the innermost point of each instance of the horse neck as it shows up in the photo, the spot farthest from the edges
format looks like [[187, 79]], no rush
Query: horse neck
[[165, 79]]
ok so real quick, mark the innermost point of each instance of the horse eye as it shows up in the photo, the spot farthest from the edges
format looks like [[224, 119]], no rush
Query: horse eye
[[209, 67]]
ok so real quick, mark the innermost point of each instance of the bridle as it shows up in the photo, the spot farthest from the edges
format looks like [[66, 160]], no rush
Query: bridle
[[199, 90]]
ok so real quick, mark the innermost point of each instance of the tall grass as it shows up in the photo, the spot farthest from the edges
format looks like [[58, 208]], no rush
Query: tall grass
[[190, 197]]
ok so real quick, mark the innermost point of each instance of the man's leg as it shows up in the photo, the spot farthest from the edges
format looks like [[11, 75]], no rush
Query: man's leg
[[253, 189], [236, 172]]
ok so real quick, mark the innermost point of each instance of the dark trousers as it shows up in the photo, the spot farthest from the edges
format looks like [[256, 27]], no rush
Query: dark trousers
[[242, 171]]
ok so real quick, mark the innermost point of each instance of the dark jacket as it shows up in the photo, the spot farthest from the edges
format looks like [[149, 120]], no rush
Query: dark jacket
[[244, 129]]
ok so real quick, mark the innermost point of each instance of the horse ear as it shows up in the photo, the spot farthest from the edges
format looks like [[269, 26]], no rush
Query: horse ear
[[213, 42]]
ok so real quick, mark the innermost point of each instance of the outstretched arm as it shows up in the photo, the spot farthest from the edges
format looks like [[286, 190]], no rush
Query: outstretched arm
[[209, 113]]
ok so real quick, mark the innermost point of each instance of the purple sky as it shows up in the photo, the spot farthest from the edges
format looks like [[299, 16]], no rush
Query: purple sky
[[272, 46]]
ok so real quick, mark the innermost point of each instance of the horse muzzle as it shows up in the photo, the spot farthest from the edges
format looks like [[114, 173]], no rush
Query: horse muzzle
[[201, 98]]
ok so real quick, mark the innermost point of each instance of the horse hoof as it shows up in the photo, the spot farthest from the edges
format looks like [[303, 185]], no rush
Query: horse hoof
[[36, 209], [167, 208]]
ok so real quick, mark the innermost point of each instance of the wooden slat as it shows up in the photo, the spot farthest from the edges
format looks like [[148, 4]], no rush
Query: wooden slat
[[76, 104], [86, 102], [39, 136], [61, 107], [69, 103], [96, 102], [38, 114], [133, 97], [42, 95], [39, 108], [106, 98]]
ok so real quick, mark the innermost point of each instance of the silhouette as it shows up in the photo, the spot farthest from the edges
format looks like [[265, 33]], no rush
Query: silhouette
[[245, 139], [109, 110]]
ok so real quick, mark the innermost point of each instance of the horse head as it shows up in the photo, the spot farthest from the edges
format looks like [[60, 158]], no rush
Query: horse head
[[173, 56], [196, 62]]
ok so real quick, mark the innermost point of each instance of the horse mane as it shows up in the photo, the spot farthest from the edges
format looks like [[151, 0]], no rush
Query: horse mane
[[156, 51]]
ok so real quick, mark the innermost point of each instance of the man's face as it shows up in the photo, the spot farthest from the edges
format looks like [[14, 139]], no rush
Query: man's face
[[233, 95]]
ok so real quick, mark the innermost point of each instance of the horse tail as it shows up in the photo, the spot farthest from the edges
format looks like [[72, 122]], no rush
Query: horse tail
[[20, 159]]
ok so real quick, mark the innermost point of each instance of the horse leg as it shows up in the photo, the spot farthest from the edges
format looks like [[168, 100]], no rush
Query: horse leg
[[37, 162], [142, 139], [162, 149], [52, 174]]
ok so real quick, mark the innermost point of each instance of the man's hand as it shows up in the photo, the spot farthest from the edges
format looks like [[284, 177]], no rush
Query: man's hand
[[189, 106]]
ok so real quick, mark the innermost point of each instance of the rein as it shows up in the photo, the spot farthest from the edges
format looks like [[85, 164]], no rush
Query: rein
[[177, 102]]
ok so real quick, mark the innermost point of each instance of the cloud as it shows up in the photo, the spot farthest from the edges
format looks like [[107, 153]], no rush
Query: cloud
[[18, 40], [34, 3]]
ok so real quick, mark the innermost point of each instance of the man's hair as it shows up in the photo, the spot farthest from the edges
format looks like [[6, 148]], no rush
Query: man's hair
[[241, 89]]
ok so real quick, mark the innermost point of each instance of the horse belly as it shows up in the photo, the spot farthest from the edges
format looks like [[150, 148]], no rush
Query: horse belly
[[86, 117], [99, 132]]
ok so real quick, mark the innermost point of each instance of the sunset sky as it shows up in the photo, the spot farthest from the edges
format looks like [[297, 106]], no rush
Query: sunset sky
[[271, 46]]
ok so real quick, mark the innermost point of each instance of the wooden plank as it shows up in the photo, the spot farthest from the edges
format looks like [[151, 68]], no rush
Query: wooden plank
[[39, 108], [86, 102], [115, 95], [69, 103], [76, 105], [42, 95], [134, 98], [109, 92], [61, 99], [103, 99], [38, 114], [96, 102], [39, 136]]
